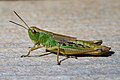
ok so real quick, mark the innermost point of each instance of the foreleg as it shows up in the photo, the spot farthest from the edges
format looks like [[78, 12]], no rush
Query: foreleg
[[31, 49]]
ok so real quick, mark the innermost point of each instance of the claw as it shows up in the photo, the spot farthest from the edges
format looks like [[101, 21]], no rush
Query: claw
[[29, 47], [58, 63], [24, 56]]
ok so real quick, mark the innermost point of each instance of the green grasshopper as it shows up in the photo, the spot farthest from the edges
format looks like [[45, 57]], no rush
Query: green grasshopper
[[62, 44]]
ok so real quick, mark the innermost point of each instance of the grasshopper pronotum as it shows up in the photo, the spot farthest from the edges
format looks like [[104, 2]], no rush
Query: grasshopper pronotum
[[62, 44]]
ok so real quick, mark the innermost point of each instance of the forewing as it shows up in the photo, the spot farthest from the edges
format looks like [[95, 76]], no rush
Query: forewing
[[56, 36]]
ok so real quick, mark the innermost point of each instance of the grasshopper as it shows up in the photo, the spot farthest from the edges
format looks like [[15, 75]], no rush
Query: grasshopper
[[61, 44]]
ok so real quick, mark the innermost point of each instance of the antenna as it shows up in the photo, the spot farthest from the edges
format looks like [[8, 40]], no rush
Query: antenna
[[18, 24], [20, 19]]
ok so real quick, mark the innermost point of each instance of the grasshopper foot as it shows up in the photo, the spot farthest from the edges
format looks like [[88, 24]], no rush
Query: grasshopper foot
[[24, 56], [58, 63], [29, 47], [76, 57]]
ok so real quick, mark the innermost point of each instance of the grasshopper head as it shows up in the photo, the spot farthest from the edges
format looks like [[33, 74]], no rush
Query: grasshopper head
[[33, 34]]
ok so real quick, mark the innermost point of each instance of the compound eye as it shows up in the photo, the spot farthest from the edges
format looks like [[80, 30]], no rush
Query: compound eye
[[33, 31]]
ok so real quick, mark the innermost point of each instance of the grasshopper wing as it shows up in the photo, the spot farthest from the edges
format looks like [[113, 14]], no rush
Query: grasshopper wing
[[58, 37]]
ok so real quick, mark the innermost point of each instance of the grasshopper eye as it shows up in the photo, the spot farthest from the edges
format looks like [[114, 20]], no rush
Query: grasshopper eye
[[33, 31]]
